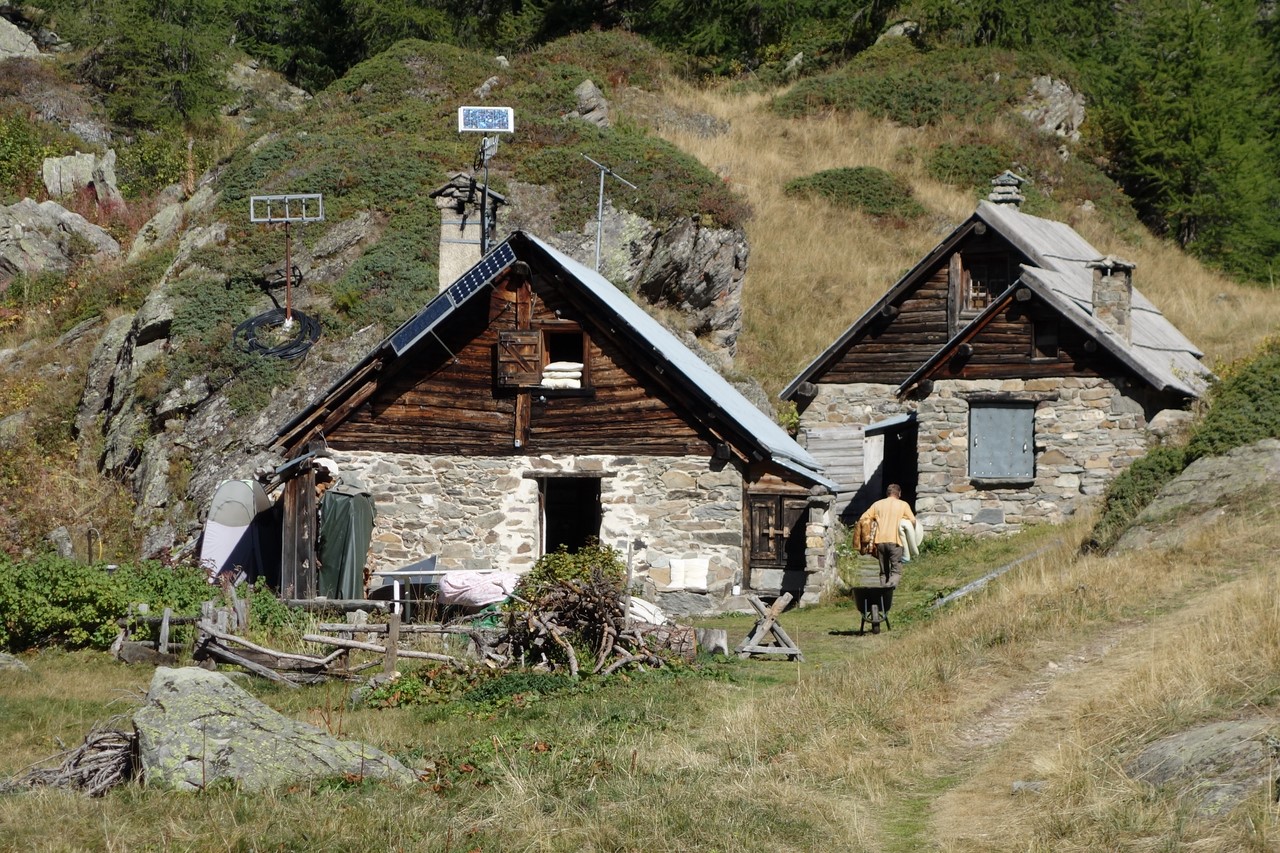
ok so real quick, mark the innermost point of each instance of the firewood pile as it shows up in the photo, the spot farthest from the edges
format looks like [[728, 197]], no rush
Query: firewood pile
[[104, 760], [586, 616]]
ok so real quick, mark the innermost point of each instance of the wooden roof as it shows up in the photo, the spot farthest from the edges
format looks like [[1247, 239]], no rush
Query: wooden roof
[[1157, 351], [717, 403]]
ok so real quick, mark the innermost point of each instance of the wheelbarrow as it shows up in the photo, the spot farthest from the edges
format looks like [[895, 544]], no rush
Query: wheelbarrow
[[874, 601]]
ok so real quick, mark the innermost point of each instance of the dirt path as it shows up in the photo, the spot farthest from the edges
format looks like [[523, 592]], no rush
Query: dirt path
[[1011, 738]]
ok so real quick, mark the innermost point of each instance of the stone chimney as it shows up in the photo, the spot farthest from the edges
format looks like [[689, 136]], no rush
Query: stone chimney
[[461, 202], [1005, 188], [1113, 294]]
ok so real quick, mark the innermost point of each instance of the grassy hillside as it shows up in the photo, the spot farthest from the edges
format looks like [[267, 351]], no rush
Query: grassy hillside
[[904, 741], [815, 268]]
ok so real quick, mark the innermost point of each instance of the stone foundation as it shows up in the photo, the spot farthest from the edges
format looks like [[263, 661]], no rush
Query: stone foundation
[[1087, 430]]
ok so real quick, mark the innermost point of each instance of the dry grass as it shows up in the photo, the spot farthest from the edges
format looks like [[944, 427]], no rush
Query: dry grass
[[813, 270], [906, 741]]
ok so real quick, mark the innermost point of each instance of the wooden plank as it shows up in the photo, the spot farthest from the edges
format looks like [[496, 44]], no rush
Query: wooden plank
[[393, 640]]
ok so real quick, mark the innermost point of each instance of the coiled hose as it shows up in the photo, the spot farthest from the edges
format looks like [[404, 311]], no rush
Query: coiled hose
[[265, 334]]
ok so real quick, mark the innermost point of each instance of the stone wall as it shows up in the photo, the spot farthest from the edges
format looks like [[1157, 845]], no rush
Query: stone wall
[[1086, 431], [482, 512]]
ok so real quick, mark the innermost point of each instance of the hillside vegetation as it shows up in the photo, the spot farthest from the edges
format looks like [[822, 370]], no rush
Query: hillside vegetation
[[1056, 675]]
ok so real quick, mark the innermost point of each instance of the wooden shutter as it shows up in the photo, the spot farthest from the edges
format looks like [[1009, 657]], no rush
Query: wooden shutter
[[765, 546], [778, 531], [519, 358]]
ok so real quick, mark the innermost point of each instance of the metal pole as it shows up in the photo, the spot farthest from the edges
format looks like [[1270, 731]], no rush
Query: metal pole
[[484, 212], [604, 170], [288, 277], [599, 219]]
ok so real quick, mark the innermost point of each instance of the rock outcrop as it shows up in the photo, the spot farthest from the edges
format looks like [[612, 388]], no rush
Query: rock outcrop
[[46, 237], [592, 106], [1196, 498], [1221, 764], [1054, 108], [197, 729], [65, 176], [14, 43]]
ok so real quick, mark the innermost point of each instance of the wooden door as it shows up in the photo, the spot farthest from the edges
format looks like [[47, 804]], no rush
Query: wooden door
[[777, 531]]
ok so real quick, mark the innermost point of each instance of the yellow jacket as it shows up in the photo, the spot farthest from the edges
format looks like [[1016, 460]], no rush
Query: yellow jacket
[[888, 513]]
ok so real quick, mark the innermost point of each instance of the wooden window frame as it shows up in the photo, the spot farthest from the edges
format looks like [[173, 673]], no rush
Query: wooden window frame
[[985, 261], [1040, 345]]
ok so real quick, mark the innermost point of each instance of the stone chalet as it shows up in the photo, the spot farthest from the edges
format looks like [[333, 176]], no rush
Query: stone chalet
[[530, 405], [1005, 379]]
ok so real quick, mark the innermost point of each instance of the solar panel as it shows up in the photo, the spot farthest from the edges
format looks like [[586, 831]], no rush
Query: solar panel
[[487, 119], [457, 293]]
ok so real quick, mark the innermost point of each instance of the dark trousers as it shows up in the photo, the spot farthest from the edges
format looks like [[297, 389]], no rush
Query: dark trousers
[[890, 562]]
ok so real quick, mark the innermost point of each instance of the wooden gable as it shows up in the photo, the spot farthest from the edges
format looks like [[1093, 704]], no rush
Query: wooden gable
[[926, 309], [475, 387], [1023, 338]]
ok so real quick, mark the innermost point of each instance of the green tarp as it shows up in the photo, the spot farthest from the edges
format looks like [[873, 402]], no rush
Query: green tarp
[[346, 527]]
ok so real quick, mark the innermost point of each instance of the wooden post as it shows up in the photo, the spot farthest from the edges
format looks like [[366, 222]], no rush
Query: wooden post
[[393, 640], [162, 644]]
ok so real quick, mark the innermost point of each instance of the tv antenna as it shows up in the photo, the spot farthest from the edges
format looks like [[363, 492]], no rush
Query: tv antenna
[[486, 120], [604, 170], [273, 209]]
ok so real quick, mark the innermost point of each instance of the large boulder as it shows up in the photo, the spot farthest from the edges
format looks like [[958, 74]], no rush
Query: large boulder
[[46, 237], [1196, 498], [1055, 108], [197, 728], [64, 176], [1220, 765], [14, 42]]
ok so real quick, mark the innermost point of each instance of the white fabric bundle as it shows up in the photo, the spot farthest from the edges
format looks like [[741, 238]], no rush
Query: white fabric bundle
[[562, 374]]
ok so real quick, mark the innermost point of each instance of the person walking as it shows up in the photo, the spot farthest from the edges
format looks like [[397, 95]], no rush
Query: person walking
[[888, 513]]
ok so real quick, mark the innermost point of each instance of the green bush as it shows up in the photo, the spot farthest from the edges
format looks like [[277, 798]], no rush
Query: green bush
[[967, 164], [1244, 406], [592, 562], [22, 152], [912, 87], [865, 188], [1132, 490], [49, 600]]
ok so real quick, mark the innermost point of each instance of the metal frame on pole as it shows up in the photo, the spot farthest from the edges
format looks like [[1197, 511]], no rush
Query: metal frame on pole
[[604, 170], [296, 207]]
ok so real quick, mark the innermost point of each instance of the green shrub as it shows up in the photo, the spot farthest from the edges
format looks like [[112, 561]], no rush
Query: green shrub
[[1132, 490], [912, 87], [49, 600], [22, 152], [1244, 406], [967, 164], [592, 562], [866, 188]]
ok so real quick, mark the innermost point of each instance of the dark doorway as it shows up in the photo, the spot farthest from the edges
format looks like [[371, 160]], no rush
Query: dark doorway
[[900, 459], [570, 512]]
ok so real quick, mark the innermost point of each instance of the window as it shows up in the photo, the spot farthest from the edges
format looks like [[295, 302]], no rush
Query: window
[[1002, 441], [985, 277], [777, 531], [546, 358], [1044, 340]]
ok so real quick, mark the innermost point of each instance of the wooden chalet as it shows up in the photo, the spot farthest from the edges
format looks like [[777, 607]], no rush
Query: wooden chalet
[[1007, 376], [532, 405]]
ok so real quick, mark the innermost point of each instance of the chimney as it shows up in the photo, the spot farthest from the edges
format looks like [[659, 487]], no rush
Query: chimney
[[1113, 294], [1005, 189], [461, 203]]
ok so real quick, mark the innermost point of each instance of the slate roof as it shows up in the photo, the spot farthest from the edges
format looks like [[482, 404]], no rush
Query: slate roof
[[710, 394], [1060, 274]]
